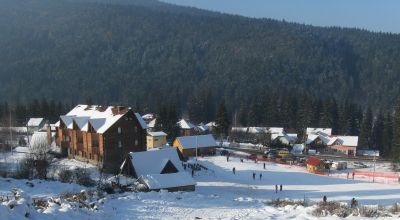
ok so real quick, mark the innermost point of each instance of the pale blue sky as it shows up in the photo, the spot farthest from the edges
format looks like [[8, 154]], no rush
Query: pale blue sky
[[374, 15]]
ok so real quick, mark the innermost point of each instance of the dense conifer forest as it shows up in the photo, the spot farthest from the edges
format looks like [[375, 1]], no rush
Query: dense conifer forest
[[163, 58]]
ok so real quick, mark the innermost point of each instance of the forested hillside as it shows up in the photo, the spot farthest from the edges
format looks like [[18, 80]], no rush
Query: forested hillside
[[149, 52]]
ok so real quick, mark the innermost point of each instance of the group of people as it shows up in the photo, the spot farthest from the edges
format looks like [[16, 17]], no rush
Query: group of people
[[276, 188]]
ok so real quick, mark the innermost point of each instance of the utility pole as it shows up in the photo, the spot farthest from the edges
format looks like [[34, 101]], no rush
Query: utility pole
[[373, 175], [196, 149], [11, 150]]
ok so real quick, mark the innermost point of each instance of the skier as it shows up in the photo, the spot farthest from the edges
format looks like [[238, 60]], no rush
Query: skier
[[353, 174], [280, 188], [324, 199], [192, 172], [260, 176], [348, 175], [254, 176], [264, 166], [234, 170], [276, 188]]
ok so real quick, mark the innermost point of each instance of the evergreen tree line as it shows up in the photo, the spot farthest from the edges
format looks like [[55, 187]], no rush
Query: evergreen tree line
[[378, 130], [20, 112], [295, 112]]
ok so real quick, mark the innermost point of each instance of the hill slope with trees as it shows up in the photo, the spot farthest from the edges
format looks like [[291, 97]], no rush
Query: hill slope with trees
[[146, 52]]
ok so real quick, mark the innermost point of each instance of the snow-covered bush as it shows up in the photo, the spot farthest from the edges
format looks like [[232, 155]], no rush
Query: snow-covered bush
[[284, 202], [332, 208], [26, 169], [66, 176], [83, 178]]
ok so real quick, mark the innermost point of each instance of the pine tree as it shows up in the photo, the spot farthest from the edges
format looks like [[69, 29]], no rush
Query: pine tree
[[222, 120], [387, 135], [364, 141], [378, 132], [396, 133]]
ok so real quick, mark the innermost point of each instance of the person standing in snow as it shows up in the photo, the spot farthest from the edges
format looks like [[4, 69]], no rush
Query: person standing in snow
[[276, 188], [353, 174], [234, 170], [324, 199], [348, 175], [192, 172], [264, 166], [254, 176], [260, 176], [280, 188]]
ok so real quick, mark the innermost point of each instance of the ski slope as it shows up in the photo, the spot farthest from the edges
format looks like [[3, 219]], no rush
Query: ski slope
[[219, 195]]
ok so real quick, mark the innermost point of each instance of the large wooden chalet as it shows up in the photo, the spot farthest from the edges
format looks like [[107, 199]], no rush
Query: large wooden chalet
[[101, 135]]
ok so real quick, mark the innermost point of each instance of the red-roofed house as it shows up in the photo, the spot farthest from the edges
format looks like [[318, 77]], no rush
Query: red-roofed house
[[315, 165]]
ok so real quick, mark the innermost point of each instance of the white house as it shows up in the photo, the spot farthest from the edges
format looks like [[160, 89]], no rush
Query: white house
[[158, 169]]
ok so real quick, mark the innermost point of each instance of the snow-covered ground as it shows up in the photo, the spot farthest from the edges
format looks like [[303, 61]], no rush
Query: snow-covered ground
[[219, 195]]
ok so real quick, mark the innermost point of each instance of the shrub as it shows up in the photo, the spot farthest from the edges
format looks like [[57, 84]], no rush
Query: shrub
[[332, 208], [25, 169], [66, 176], [285, 202], [83, 178]]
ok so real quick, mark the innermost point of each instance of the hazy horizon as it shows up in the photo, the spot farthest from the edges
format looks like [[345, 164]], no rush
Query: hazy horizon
[[372, 15]]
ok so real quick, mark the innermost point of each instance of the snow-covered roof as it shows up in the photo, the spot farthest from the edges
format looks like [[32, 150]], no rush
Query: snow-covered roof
[[148, 116], [325, 131], [152, 123], [153, 162], [140, 119], [189, 142], [35, 122], [348, 140], [101, 118], [168, 180], [257, 130], [185, 124], [157, 134], [211, 124], [298, 148]]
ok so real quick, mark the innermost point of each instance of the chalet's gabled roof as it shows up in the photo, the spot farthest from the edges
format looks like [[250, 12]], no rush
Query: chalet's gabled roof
[[313, 161], [35, 122], [351, 141], [201, 141], [325, 131], [185, 124], [101, 118], [154, 161]]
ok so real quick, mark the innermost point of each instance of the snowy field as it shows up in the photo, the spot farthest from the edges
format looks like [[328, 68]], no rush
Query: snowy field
[[219, 195]]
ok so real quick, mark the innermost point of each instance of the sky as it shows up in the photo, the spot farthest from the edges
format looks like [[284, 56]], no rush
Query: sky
[[373, 15]]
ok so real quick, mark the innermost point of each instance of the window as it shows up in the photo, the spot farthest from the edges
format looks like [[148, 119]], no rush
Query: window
[[120, 144], [119, 130], [135, 129], [136, 142]]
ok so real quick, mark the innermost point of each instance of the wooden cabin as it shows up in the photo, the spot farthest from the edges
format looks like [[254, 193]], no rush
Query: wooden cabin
[[187, 145], [158, 169], [315, 165], [156, 139], [101, 135]]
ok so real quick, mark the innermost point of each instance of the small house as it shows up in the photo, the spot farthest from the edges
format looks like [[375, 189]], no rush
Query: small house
[[315, 165], [156, 139], [158, 169], [186, 128], [187, 145], [35, 124]]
